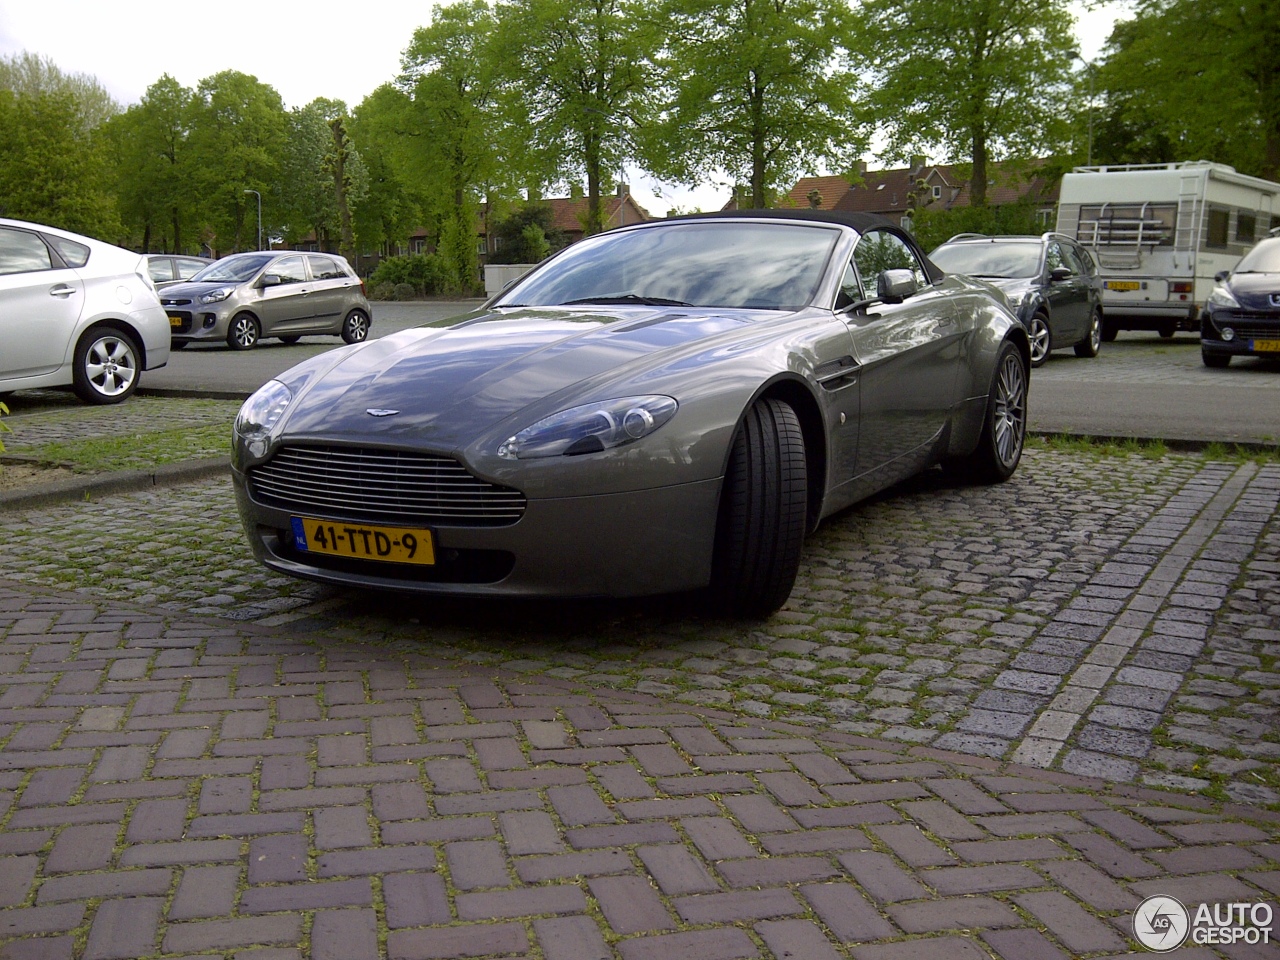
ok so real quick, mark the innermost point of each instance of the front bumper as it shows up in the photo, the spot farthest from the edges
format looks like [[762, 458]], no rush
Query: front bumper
[[1253, 333], [617, 545], [198, 323]]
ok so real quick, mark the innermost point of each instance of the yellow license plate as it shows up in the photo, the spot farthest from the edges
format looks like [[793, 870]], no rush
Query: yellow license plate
[[1266, 346], [1123, 285], [361, 541], [175, 321]]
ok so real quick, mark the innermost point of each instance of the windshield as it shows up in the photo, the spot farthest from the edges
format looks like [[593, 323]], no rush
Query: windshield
[[997, 259], [735, 264], [235, 269], [1264, 258]]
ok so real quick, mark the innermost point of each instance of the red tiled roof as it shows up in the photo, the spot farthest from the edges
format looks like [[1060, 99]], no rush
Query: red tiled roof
[[829, 189], [888, 191], [568, 213]]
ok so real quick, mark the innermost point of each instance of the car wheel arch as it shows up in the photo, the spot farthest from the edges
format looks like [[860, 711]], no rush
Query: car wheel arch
[[120, 326], [798, 394]]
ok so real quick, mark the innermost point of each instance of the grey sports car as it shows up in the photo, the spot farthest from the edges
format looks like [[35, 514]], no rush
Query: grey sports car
[[660, 408]]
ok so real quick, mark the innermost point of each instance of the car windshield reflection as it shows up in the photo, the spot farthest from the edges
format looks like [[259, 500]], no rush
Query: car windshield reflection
[[232, 269], [994, 260], [740, 265]]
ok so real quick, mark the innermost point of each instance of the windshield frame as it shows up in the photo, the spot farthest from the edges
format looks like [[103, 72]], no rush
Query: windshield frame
[[207, 274]]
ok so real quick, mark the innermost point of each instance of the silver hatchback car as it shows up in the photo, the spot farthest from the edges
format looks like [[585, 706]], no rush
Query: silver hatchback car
[[280, 293]]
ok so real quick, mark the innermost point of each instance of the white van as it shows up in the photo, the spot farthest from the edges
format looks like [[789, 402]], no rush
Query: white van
[[1160, 232]]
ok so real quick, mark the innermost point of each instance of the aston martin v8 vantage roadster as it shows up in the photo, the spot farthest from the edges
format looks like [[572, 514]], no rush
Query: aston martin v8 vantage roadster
[[665, 407]]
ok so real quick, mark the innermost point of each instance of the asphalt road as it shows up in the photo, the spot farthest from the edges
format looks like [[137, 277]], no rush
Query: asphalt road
[[1138, 386]]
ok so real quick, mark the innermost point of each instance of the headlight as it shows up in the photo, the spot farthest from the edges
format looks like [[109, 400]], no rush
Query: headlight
[[260, 413], [216, 296], [590, 428], [1221, 297]]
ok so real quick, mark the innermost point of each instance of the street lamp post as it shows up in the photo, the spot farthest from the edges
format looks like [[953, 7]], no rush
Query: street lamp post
[[259, 196]]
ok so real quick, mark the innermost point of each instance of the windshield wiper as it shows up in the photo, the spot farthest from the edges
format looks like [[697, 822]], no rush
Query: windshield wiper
[[629, 298]]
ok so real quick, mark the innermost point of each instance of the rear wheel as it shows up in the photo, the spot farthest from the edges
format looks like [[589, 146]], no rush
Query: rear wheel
[[356, 327], [291, 340], [244, 332], [1041, 339], [106, 366], [1215, 360], [1092, 342], [1004, 429], [1109, 330], [761, 522], [1167, 331]]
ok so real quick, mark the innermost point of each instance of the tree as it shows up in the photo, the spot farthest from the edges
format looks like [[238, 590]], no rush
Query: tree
[[392, 207], [31, 75], [979, 80], [1222, 103], [156, 180], [577, 88], [760, 89], [528, 235], [323, 177], [237, 141]]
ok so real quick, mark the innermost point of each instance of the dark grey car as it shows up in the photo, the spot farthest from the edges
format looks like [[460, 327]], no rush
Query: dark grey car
[[1051, 281], [280, 293], [657, 408]]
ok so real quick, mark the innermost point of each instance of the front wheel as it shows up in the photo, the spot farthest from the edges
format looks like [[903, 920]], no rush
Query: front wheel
[[1092, 342], [1216, 361], [289, 341], [356, 327], [763, 505], [1041, 339], [1004, 427], [106, 366], [244, 332]]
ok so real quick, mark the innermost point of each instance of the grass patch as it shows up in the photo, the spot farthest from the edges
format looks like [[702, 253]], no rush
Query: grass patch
[[1099, 447], [137, 451]]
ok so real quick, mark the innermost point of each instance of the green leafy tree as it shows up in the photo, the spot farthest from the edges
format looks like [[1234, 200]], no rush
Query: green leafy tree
[[31, 75], [156, 181], [323, 178], [980, 80], [528, 235], [392, 206], [578, 88], [760, 89], [238, 136], [1194, 79]]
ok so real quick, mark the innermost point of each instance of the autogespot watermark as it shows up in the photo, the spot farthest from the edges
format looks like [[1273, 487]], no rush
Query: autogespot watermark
[[1162, 924]]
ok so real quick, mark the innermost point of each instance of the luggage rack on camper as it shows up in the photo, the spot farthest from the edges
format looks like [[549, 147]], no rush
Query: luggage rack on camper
[[1121, 233]]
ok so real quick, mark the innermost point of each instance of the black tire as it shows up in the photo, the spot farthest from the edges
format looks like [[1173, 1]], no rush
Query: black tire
[[1217, 361], [1167, 331], [107, 366], [1004, 425], [1041, 339], [244, 332], [290, 340], [356, 327], [1092, 342], [763, 505], [1109, 330]]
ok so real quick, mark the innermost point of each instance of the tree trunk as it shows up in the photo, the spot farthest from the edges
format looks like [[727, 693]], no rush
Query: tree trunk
[[978, 183], [595, 222], [341, 149]]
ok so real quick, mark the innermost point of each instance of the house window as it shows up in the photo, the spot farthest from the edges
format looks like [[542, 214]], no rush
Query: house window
[[1246, 227], [937, 192], [1218, 219], [906, 223]]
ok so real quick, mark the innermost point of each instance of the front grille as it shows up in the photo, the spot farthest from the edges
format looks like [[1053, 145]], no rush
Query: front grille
[[174, 301], [382, 486], [1249, 324]]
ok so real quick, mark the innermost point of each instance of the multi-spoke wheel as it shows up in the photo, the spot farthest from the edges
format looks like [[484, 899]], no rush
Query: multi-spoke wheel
[[356, 327], [763, 506], [106, 366], [1004, 429], [244, 332], [1041, 339], [1092, 342]]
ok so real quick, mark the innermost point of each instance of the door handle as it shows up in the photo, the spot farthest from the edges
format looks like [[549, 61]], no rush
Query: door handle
[[61, 290]]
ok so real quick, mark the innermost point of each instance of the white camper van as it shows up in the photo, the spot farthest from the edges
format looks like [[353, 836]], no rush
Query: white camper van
[[1160, 232]]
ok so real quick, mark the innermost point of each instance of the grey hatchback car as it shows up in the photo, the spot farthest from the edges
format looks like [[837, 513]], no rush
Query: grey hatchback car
[[280, 293]]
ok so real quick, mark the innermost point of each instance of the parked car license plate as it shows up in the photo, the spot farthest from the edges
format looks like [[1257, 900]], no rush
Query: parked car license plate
[[1266, 346], [175, 321], [1123, 285], [363, 542]]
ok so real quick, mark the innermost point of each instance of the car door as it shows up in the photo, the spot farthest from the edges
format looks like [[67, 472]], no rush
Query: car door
[[40, 304], [1068, 297], [286, 304], [328, 292], [908, 354]]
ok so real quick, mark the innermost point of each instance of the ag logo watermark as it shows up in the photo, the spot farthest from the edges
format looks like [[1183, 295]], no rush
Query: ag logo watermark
[[1162, 924]]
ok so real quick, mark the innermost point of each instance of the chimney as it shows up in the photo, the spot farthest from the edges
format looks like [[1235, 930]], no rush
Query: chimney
[[624, 189], [918, 161]]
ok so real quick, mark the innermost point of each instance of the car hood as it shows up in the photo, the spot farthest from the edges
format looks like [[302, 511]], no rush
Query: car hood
[[1253, 290], [446, 386], [185, 290]]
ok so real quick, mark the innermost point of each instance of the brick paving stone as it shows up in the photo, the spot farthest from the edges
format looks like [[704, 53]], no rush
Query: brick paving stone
[[85, 886], [717, 838], [350, 934], [530, 902], [676, 870], [1071, 924], [415, 899], [934, 948], [16, 877], [724, 944], [953, 913], [631, 905], [205, 892], [846, 912], [571, 938], [950, 881], [883, 879], [306, 896], [28, 921], [203, 935], [796, 939], [1023, 945], [124, 929]]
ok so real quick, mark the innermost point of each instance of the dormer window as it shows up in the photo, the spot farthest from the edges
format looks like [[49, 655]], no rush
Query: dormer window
[[937, 192]]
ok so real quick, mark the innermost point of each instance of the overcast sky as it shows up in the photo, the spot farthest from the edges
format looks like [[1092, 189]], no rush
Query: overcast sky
[[303, 50]]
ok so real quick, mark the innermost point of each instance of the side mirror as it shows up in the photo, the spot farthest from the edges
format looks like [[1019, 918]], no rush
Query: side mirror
[[269, 280], [894, 286], [1058, 274], [1222, 275]]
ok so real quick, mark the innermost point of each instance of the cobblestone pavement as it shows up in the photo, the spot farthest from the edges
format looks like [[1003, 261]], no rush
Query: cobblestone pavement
[[176, 786], [1142, 357]]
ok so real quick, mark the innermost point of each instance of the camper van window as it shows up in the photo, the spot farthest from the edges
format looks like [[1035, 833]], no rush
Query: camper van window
[[1246, 227], [1217, 228]]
